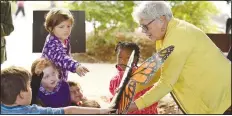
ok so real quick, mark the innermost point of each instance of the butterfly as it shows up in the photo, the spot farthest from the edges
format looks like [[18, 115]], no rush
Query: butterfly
[[121, 101]]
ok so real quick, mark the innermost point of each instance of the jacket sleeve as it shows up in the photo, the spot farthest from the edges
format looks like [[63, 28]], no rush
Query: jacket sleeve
[[171, 70], [114, 83], [6, 21], [59, 57]]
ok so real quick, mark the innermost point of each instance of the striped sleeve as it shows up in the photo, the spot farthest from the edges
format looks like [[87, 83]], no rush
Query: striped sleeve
[[35, 109]]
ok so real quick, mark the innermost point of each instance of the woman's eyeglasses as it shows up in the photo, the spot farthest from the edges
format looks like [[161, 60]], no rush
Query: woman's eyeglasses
[[145, 27]]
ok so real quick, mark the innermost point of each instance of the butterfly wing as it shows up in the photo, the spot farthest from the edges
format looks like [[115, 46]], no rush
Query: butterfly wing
[[143, 74], [125, 79], [148, 68], [127, 97]]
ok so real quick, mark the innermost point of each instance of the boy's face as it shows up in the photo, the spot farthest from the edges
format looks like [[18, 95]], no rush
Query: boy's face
[[123, 57], [50, 78], [63, 30], [76, 94]]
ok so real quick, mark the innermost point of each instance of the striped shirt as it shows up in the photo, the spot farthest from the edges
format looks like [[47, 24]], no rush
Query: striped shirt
[[30, 109], [60, 55]]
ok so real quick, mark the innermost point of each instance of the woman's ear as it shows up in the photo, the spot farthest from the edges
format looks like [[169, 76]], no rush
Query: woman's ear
[[162, 20]]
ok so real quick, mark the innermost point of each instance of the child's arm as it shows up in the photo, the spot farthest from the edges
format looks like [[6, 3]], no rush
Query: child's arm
[[55, 53], [35, 109], [85, 110]]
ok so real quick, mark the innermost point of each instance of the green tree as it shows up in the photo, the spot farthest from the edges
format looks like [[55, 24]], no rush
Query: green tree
[[196, 12], [110, 15]]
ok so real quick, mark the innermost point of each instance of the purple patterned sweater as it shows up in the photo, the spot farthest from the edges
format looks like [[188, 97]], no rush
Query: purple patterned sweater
[[61, 56]]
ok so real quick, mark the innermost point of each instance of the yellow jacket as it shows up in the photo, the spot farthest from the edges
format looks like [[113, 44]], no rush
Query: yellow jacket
[[197, 73]]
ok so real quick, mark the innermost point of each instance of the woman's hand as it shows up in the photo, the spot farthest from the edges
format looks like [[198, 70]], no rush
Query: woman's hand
[[132, 107]]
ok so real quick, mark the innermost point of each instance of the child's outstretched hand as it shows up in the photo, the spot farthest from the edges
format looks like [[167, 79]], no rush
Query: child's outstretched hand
[[81, 70]]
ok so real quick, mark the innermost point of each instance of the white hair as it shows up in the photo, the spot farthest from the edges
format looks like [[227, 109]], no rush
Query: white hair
[[152, 10]]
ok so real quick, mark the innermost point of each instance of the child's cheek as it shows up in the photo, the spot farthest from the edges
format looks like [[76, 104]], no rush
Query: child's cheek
[[72, 97], [43, 83]]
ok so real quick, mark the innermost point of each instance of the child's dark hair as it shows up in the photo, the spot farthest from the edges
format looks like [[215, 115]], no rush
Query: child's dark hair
[[73, 84], [130, 46], [13, 81]]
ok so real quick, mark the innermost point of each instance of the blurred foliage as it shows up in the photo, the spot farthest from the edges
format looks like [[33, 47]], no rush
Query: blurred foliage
[[109, 14], [196, 12], [113, 22], [117, 14], [104, 49]]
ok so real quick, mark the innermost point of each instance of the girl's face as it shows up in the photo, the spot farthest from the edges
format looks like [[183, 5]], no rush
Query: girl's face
[[123, 57], [76, 94], [50, 78], [63, 30]]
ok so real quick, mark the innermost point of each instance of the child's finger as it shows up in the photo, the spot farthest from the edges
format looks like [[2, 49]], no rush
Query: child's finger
[[85, 69], [80, 73]]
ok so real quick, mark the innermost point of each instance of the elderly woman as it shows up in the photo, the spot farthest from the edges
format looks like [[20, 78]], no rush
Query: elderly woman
[[197, 74]]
